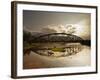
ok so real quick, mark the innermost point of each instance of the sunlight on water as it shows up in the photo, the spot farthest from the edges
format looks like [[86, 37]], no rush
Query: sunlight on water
[[61, 50], [82, 58]]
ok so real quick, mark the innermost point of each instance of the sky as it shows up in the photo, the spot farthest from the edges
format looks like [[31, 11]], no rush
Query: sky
[[41, 21]]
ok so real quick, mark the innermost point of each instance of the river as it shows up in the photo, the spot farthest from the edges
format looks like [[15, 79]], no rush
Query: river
[[82, 58]]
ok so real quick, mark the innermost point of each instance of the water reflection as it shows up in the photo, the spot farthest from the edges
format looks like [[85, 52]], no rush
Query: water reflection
[[59, 50], [34, 60]]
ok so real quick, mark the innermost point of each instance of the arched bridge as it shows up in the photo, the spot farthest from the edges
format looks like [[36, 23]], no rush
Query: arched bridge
[[57, 37], [46, 44]]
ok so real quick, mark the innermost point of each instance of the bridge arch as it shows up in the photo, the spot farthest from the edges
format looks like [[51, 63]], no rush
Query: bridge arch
[[57, 37]]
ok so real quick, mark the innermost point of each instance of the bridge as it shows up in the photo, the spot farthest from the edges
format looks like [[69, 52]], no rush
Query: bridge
[[52, 49], [56, 37]]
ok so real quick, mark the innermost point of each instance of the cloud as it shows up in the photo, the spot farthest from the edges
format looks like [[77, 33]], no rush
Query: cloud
[[49, 30], [68, 29]]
